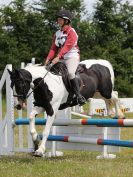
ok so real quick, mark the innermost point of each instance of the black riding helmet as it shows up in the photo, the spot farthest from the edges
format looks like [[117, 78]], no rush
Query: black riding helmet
[[65, 14]]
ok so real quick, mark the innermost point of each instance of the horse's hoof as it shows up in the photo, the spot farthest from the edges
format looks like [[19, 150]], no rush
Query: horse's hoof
[[38, 154], [36, 143], [122, 117], [119, 117], [115, 117]]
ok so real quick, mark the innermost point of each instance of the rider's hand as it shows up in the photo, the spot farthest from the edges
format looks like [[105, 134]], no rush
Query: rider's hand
[[46, 61], [55, 60]]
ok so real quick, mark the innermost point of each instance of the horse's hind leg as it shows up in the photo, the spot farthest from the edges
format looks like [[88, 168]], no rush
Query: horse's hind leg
[[113, 106], [36, 110], [115, 99], [108, 107]]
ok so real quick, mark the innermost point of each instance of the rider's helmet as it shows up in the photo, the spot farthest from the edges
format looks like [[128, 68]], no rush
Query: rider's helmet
[[65, 14]]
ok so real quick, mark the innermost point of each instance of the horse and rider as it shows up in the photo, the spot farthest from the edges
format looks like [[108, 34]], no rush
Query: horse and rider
[[50, 92]]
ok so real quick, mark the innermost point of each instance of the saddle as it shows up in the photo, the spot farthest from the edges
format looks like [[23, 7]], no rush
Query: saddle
[[61, 69]]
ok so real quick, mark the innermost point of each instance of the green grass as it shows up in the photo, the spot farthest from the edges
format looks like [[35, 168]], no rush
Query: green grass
[[72, 164]]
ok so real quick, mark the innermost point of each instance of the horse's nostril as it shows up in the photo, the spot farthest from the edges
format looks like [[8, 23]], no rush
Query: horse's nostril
[[18, 107]]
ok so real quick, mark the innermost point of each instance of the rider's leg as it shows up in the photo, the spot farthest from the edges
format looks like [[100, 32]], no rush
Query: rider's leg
[[80, 99], [72, 64]]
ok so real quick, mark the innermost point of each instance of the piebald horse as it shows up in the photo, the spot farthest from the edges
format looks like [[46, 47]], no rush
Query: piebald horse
[[51, 94]]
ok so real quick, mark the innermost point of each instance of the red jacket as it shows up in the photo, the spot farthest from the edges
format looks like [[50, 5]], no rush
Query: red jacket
[[64, 43]]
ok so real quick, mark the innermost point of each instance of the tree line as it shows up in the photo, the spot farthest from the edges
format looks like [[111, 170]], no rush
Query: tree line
[[26, 31]]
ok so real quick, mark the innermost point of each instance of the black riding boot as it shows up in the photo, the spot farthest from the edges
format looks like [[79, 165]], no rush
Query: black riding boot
[[80, 99]]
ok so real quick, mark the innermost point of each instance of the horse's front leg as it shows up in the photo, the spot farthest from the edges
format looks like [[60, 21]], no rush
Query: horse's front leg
[[40, 152], [36, 110]]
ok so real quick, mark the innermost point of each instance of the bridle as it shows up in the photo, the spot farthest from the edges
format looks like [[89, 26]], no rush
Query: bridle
[[23, 95]]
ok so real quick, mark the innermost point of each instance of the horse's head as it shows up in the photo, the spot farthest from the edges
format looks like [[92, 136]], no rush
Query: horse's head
[[20, 83]]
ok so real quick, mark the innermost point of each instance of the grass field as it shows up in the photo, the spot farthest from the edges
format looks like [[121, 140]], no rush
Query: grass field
[[80, 164], [72, 164]]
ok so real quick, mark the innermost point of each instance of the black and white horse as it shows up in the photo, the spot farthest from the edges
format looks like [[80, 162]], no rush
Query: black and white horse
[[50, 93]]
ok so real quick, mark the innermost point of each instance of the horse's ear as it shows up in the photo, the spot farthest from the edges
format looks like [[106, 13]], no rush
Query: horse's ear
[[17, 73], [10, 72]]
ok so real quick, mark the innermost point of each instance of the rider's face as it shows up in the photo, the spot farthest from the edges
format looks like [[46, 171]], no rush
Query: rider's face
[[60, 21]]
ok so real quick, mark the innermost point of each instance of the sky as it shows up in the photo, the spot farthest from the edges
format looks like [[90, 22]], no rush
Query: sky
[[88, 3]]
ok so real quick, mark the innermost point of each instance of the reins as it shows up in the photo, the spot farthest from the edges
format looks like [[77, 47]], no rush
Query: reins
[[48, 70]]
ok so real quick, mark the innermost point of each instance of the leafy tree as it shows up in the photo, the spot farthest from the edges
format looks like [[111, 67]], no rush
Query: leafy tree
[[113, 33], [14, 25], [27, 31]]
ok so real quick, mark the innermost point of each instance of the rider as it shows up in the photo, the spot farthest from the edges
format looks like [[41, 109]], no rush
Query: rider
[[65, 45]]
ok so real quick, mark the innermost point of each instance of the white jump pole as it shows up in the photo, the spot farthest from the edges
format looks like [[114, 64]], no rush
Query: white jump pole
[[105, 153]]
